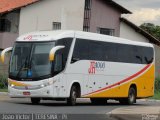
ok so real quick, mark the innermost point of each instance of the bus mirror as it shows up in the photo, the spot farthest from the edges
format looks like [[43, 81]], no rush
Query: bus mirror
[[3, 53], [53, 51]]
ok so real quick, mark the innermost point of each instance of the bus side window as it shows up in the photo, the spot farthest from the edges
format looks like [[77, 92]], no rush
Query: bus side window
[[67, 43], [137, 55], [148, 55], [58, 64], [96, 51], [80, 50], [110, 52]]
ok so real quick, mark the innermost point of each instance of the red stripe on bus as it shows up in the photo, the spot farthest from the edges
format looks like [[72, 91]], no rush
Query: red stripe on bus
[[122, 81]]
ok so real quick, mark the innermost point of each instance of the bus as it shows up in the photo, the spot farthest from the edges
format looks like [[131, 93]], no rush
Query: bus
[[66, 65]]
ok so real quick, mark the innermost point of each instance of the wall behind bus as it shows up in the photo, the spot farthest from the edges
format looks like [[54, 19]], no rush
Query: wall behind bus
[[104, 16], [41, 15], [130, 33], [157, 59]]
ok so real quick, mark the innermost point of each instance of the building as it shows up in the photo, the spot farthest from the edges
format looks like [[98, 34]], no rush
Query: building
[[22, 16], [72, 15], [130, 31], [101, 16], [9, 24]]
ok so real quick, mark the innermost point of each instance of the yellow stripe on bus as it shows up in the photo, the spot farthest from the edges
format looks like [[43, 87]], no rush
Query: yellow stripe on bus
[[144, 84], [17, 83]]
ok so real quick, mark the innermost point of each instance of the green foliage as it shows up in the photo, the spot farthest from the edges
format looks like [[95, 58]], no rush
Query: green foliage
[[154, 30], [4, 90], [156, 96], [3, 81], [157, 85]]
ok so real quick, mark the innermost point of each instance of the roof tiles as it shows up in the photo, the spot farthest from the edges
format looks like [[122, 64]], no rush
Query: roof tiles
[[9, 5]]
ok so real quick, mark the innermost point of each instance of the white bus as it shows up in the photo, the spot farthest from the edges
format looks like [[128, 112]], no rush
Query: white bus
[[65, 65]]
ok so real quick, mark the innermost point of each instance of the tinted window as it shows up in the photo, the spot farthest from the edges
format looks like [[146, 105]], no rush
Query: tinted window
[[64, 52], [136, 55], [81, 50], [123, 53], [114, 52], [147, 55], [96, 51], [109, 52]]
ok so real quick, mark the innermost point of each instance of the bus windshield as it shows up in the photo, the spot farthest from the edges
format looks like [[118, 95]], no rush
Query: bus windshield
[[30, 61]]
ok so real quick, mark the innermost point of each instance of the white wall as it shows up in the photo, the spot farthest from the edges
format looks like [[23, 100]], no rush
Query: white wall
[[41, 15], [129, 33], [157, 59]]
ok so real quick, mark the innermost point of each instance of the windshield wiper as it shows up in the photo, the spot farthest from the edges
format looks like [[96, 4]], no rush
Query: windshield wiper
[[24, 64]]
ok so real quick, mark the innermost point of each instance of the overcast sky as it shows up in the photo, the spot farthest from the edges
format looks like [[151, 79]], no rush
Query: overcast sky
[[143, 10]]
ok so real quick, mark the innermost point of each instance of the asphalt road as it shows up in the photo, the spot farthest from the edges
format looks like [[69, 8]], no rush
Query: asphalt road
[[83, 108]]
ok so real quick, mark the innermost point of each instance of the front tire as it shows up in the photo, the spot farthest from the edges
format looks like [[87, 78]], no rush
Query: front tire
[[73, 96], [35, 101]]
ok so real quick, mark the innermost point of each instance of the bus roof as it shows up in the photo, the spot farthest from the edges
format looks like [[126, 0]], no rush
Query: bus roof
[[58, 34]]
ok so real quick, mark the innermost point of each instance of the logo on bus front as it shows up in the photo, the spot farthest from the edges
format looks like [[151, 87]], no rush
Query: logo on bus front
[[34, 37], [28, 37], [96, 66]]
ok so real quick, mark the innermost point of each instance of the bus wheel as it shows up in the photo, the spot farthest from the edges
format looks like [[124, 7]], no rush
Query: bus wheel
[[131, 99], [131, 96], [35, 101], [73, 96], [98, 101]]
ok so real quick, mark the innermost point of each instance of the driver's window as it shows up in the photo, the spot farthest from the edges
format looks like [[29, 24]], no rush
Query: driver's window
[[58, 67]]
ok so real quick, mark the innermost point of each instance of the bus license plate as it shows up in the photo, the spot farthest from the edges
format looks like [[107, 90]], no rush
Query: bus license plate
[[26, 93]]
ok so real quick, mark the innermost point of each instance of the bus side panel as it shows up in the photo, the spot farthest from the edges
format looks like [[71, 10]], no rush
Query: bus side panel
[[147, 84], [77, 73], [144, 82]]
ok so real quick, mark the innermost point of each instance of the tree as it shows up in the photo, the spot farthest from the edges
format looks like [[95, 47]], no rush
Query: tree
[[151, 29]]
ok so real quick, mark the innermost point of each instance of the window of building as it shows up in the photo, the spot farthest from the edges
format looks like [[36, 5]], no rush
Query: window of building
[[88, 4], [106, 31], [87, 15], [86, 28], [56, 25], [5, 25]]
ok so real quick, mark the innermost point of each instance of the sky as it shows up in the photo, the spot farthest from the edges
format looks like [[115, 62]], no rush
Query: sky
[[143, 11]]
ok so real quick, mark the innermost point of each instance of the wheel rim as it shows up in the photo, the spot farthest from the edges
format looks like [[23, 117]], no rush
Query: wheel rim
[[74, 97], [132, 96]]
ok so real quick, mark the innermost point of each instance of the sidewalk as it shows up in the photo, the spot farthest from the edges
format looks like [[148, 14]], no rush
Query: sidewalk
[[4, 96], [136, 112]]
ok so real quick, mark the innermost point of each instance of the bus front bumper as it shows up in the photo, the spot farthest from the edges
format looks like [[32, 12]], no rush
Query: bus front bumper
[[20, 93]]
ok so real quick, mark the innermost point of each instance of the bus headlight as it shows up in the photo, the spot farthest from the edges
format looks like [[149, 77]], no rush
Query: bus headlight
[[42, 85], [12, 85], [47, 83]]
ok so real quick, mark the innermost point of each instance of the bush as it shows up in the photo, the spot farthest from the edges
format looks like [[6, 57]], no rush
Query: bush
[[3, 81], [157, 84]]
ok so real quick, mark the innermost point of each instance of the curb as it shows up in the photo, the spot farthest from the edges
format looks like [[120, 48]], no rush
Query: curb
[[136, 110], [148, 100]]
